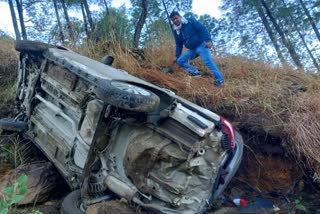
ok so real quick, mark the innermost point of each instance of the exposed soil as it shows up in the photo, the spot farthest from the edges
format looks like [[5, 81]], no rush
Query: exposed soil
[[267, 171]]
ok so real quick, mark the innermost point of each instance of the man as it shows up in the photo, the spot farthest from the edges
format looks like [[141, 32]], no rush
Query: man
[[194, 36]]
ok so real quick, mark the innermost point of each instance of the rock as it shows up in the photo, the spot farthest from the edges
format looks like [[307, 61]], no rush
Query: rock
[[43, 181]]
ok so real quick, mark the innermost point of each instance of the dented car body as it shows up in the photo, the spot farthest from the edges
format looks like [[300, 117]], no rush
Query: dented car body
[[111, 134]]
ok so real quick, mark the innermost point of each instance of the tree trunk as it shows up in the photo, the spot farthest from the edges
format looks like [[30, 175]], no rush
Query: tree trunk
[[69, 26], [58, 20], [84, 19], [292, 20], [310, 19], [14, 20], [141, 21], [21, 19], [167, 13], [285, 41], [107, 8], [270, 32], [90, 20]]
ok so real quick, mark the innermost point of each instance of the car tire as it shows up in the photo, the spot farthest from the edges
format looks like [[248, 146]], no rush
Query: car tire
[[128, 96], [32, 46], [9, 124], [71, 203]]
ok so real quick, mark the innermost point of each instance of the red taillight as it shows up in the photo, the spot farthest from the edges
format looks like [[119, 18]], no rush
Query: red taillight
[[227, 129]]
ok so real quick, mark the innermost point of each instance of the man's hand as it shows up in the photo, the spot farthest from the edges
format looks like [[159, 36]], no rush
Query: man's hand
[[208, 44], [174, 60]]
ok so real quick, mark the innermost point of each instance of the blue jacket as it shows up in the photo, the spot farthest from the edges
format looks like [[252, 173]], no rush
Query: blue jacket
[[192, 34]]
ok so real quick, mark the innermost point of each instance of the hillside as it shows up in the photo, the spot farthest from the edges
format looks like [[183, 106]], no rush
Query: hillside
[[276, 109], [281, 105]]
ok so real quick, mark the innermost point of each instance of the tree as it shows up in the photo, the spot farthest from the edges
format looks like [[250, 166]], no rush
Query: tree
[[156, 10], [21, 19], [14, 20], [66, 16], [61, 35], [140, 23], [85, 22], [159, 32], [311, 21], [291, 49], [167, 12], [115, 26], [90, 20], [292, 20], [240, 32], [106, 5], [269, 31]]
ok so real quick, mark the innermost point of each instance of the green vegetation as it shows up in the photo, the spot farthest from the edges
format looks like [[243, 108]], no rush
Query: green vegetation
[[14, 150], [298, 206], [13, 194]]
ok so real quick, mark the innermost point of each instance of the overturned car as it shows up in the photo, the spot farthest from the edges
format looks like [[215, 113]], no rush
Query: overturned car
[[112, 135]]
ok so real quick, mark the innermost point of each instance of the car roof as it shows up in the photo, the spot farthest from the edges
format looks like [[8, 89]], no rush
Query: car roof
[[91, 67], [97, 70]]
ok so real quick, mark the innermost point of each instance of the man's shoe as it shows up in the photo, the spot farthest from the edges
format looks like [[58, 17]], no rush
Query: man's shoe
[[218, 83]]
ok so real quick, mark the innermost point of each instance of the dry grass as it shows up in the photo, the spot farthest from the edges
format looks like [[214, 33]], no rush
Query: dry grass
[[8, 61], [8, 70], [303, 128]]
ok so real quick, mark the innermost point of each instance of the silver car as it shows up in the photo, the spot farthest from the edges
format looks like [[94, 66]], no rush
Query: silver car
[[112, 135]]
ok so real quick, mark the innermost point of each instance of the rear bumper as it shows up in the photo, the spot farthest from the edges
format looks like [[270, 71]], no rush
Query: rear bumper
[[231, 167]]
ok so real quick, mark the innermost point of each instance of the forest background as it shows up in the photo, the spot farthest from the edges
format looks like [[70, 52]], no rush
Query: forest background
[[278, 32]]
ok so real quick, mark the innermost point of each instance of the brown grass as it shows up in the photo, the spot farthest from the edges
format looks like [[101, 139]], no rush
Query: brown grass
[[304, 128], [8, 61], [8, 70]]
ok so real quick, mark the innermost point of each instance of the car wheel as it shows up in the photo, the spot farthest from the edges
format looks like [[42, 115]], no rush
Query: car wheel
[[128, 96], [9, 124], [71, 203], [32, 46]]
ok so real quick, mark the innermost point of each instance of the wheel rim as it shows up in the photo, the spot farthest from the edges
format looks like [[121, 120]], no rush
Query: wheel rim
[[130, 88]]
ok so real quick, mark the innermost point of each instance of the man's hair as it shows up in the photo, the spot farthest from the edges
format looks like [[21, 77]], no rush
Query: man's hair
[[174, 13]]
